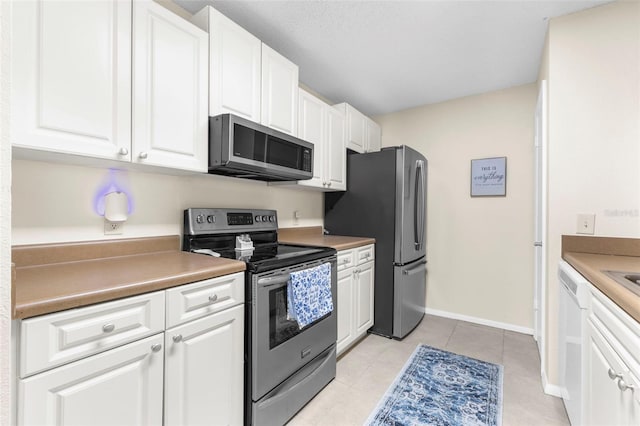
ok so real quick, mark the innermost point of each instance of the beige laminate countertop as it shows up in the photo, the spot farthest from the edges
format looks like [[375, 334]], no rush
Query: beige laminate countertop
[[592, 255], [313, 236], [51, 278]]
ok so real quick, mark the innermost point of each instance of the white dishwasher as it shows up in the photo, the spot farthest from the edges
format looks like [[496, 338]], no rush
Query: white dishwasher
[[574, 296]]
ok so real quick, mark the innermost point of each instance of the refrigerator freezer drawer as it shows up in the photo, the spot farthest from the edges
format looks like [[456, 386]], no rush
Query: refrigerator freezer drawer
[[410, 286]]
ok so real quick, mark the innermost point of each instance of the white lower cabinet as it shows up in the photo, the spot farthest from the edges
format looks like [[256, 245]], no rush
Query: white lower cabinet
[[204, 370], [355, 294], [122, 386], [101, 366], [612, 354]]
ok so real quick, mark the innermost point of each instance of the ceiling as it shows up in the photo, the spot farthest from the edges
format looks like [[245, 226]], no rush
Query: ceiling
[[386, 56]]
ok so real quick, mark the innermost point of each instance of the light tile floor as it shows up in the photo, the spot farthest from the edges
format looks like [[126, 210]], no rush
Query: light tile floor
[[365, 372]]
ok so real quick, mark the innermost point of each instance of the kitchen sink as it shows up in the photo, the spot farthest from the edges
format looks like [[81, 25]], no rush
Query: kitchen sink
[[630, 280]]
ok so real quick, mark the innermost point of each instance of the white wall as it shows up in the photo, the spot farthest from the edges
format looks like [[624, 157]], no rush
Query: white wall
[[54, 202], [479, 249], [593, 68], [5, 221]]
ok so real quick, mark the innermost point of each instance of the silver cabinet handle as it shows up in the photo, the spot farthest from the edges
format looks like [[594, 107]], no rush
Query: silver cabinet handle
[[329, 184], [143, 155], [613, 375], [213, 298], [108, 328], [156, 347], [177, 338], [624, 387], [123, 151]]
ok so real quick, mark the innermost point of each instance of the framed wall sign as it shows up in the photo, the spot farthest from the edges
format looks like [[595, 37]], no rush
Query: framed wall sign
[[489, 177]]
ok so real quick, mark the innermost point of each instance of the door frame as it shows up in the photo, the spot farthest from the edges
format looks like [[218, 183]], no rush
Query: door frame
[[540, 225]]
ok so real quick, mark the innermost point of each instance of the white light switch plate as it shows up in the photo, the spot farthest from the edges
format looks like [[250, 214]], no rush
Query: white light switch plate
[[586, 224]]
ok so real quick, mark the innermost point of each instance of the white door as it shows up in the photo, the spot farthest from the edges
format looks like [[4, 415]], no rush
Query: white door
[[364, 297], [336, 157], [374, 141], [540, 222], [122, 386], [345, 311], [279, 92], [170, 112], [605, 402], [204, 370], [311, 129], [235, 68], [71, 77], [356, 129]]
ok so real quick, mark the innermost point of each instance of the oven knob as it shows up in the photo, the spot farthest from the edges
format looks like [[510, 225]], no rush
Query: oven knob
[[211, 219], [200, 218], [264, 218], [272, 218], [257, 218]]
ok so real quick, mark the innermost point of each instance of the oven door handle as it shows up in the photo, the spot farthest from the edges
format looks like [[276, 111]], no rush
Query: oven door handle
[[272, 281]]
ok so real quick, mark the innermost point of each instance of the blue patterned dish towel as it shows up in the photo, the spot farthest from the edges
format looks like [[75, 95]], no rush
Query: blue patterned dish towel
[[309, 294]]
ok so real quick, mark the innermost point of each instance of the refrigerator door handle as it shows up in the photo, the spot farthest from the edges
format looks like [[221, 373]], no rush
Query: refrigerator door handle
[[419, 206], [416, 268]]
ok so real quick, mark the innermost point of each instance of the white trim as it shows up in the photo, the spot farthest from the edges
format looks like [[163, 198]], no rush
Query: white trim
[[542, 113], [550, 389], [481, 321]]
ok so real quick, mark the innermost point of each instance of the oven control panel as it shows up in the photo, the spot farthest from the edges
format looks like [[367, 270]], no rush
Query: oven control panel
[[199, 221]]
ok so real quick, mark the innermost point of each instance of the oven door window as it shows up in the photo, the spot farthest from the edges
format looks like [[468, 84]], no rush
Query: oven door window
[[281, 328]]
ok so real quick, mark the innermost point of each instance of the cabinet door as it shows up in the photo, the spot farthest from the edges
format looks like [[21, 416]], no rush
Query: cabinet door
[[336, 157], [356, 129], [170, 113], [605, 402], [364, 298], [204, 370], [279, 92], [122, 386], [235, 68], [374, 141], [345, 309], [311, 129], [71, 84]]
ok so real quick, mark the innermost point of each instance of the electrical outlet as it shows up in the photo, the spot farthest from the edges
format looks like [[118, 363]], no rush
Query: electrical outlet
[[113, 228], [586, 224]]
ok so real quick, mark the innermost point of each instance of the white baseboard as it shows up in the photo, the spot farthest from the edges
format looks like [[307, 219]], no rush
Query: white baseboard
[[549, 389], [481, 321]]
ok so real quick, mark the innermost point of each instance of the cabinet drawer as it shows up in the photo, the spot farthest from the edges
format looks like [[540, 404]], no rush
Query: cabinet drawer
[[191, 301], [346, 259], [621, 330], [365, 254], [50, 340]]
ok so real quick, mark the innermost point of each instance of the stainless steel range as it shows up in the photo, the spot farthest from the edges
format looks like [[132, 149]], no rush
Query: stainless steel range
[[285, 366]]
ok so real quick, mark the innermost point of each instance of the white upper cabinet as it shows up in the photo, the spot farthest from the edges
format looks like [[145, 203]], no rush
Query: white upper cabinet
[[71, 77], [279, 92], [363, 134], [235, 66], [374, 137], [169, 90], [336, 157], [311, 128], [248, 78], [74, 82], [323, 126]]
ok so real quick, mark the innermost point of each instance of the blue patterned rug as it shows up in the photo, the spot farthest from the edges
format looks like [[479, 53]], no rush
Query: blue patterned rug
[[441, 388]]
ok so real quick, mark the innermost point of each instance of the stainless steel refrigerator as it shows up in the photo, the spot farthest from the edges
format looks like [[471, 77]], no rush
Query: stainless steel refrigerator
[[386, 200]]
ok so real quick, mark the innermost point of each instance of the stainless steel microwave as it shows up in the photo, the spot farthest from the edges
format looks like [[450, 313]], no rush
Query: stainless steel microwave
[[241, 148]]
